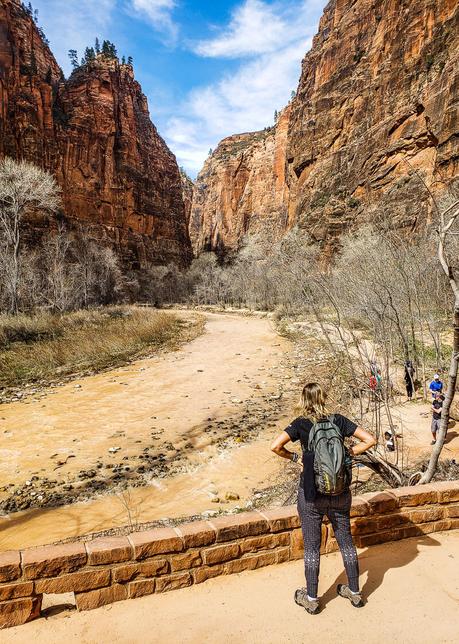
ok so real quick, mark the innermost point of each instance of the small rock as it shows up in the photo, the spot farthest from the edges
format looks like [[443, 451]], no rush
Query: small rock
[[113, 450], [232, 496]]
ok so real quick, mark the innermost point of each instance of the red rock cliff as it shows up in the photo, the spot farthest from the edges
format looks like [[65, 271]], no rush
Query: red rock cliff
[[377, 100], [242, 189], [94, 133]]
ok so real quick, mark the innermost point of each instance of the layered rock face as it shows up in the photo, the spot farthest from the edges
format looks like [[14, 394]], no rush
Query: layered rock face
[[242, 189], [93, 132], [375, 116]]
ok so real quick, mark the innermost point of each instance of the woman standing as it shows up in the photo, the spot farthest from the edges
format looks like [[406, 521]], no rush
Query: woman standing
[[313, 504]]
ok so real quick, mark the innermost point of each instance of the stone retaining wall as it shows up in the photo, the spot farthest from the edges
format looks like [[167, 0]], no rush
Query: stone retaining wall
[[106, 570]]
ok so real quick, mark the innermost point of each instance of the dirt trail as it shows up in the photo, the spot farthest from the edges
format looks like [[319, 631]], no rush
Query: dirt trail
[[168, 415], [412, 588]]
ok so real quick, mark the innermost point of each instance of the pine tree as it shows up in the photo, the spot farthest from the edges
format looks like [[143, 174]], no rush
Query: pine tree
[[73, 55], [113, 52], [106, 48], [123, 60], [97, 46], [276, 116], [130, 61], [89, 55]]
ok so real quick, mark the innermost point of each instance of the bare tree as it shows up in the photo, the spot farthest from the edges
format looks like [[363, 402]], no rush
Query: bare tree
[[24, 190], [448, 218], [59, 284]]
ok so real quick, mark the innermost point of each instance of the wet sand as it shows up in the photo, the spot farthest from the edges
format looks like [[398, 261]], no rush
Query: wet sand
[[187, 418]]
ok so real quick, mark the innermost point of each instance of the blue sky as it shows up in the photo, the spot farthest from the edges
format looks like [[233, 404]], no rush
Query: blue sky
[[209, 69]]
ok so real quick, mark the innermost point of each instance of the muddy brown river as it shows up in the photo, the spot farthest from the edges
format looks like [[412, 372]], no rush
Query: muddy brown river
[[161, 405]]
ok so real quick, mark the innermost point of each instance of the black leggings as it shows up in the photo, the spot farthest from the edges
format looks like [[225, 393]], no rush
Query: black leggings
[[337, 509]]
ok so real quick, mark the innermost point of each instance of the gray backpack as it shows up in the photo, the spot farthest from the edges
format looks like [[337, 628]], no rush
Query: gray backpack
[[331, 465]]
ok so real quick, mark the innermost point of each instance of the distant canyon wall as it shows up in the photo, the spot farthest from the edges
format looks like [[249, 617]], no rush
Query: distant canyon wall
[[119, 180], [377, 103], [242, 189]]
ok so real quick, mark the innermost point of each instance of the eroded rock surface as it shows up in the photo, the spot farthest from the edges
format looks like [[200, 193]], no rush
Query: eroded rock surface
[[93, 132], [375, 115], [242, 189]]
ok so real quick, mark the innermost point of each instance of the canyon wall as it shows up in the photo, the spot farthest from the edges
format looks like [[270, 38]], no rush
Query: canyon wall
[[375, 116], [94, 134], [242, 189]]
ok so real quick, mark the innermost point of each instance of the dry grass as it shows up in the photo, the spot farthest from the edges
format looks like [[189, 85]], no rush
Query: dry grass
[[46, 347]]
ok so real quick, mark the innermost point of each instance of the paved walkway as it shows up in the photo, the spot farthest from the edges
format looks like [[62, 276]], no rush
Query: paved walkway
[[412, 588]]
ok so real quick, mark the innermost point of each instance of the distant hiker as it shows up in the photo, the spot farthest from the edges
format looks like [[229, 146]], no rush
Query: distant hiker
[[373, 367], [437, 407], [410, 374], [324, 488], [436, 386], [389, 437]]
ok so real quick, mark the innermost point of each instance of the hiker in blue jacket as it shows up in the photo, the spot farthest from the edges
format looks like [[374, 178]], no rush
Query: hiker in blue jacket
[[436, 386], [324, 488]]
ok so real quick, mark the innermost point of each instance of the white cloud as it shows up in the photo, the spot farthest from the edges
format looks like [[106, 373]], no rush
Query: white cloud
[[255, 28], [159, 14], [73, 25], [245, 100]]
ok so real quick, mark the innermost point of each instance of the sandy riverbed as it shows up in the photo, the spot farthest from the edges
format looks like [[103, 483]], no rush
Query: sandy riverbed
[[176, 408]]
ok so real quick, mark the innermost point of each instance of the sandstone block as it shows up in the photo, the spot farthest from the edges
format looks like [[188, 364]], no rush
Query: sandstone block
[[263, 542], [452, 511], [360, 507], [186, 561], [366, 540], [423, 515], [448, 491], [331, 546], [74, 582], [364, 525], [16, 590], [195, 535], [250, 563], [285, 518], [50, 561], [141, 569], [207, 572], [238, 526], [416, 495], [296, 544], [19, 611], [172, 582], [108, 550], [101, 597], [282, 554], [155, 542], [10, 565], [381, 502], [141, 588], [392, 520], [218, 554]]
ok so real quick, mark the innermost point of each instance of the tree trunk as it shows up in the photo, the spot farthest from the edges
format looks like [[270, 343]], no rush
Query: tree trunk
[[451, 390], [390, 474]]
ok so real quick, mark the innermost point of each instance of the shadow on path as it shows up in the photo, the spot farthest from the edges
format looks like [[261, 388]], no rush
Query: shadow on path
[[376, 564]]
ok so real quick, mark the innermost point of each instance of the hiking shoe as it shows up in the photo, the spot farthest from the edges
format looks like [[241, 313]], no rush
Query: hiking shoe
[[310, 605], [433, 442], [355, 598]]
